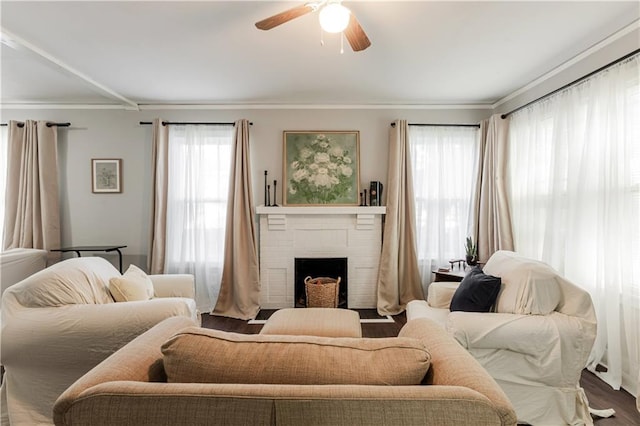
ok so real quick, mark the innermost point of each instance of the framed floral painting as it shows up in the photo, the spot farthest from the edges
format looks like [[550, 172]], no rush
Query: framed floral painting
[[321, 168]]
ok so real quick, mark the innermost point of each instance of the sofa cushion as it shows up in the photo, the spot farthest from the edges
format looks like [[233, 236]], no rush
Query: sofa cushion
[[528, 286], [212, 356], [133, 285], [80, 280], [476, 293]]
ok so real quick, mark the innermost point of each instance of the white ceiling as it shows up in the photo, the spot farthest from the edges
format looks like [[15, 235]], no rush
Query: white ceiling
[[209, 52]]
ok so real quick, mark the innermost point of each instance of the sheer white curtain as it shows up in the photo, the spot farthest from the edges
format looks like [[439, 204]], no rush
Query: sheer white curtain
[[198, 185], [575, 192], [3, 175], [444, 163]]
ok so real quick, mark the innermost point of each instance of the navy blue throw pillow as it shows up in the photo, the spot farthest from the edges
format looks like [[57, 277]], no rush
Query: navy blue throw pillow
[[476, 293]]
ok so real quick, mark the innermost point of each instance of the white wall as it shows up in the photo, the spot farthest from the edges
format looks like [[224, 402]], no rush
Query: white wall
[[102, 219], [616, 49], [89, 218]]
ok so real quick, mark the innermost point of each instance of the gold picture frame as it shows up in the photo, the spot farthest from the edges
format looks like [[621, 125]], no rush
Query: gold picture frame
[[321, 168]]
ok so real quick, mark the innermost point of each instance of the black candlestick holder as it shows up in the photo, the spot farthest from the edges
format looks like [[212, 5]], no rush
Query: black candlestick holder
[[266, 191], [275, 194], [268, 204]]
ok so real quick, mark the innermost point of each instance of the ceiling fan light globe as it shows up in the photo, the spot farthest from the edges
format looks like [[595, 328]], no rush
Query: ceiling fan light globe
[[334, 18]]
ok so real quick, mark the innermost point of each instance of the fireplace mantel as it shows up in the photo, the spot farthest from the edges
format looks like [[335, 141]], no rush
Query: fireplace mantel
[[277, 216], [287, 233], [322, 210]]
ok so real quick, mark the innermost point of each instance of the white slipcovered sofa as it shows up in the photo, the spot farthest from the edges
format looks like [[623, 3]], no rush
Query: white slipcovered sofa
[[62, 321], [535, 342]]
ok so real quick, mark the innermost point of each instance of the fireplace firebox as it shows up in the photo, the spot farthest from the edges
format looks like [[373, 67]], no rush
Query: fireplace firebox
[[332, 267]]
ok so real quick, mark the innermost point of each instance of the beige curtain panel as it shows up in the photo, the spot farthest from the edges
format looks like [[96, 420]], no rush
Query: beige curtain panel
[[399, 276], [32, 214], [240, 287], [160, 185], [491, 214]]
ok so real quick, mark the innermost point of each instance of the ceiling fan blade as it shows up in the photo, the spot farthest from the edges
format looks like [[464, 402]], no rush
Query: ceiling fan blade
[[356, 35], [286, 16]]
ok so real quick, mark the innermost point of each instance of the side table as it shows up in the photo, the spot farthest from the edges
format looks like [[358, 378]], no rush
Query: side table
[[107, 249], [454, 275]]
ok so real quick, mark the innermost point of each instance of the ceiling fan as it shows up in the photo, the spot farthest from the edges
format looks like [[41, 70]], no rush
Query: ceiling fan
[[334, 18]]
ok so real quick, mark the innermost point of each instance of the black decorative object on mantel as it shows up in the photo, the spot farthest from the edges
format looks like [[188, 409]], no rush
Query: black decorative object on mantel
[[375, 193], [364, 198], [268, 204], [275, 194], [266, 191], [361, 200]]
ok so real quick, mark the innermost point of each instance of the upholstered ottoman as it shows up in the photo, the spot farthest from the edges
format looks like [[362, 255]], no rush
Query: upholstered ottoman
[[324, 322]]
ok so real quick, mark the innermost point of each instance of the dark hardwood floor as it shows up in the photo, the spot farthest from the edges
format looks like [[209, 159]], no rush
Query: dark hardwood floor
[[600, 395]]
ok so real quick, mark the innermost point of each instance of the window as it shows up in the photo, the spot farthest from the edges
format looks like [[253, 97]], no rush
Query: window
[[575, 195], [198, 185], [443, 166]]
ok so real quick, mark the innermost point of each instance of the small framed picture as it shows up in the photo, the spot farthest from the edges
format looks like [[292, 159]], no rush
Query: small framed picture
[[106, 175]]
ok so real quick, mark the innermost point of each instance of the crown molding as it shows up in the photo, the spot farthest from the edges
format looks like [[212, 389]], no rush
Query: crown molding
[[164, 107], [19, 105], [144, 107]]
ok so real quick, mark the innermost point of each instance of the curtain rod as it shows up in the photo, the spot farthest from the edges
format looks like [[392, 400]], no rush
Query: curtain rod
[[48, 124], [573, 83], [439, 125], [202, 123]]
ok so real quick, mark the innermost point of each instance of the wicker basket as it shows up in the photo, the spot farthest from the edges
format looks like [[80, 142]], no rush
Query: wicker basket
[[322, 292]]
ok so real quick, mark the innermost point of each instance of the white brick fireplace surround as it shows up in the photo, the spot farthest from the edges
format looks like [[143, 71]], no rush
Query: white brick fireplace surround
[[287, 233]]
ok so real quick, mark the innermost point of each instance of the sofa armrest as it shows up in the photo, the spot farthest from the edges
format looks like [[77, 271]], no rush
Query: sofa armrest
[[77, 337], [526, 334], [45, 350], [140, 362], [452, 365], [173, 285], [440, 293]]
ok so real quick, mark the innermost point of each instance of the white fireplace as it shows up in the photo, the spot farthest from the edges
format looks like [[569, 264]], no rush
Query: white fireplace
[[287, 233]]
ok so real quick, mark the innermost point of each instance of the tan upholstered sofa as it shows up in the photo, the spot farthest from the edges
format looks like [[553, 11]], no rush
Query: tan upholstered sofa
[[60, 322], [131, 386]]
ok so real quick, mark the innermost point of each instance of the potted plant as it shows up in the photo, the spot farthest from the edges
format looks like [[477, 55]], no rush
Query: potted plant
[[471, 252]]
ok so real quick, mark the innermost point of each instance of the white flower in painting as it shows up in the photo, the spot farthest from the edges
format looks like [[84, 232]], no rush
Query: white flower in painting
[[322, 180], [346, 170], [295, 164], [300, 175], [332, 166], [334, 180], [346, 160], [292, 191], [321, 137], [305, 153], [336, 151], [322, 171], [313, 166], [324, 145], [321, 157]]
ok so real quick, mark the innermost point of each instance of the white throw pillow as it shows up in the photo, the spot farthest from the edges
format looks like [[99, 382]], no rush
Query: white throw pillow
[[134, 284]]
